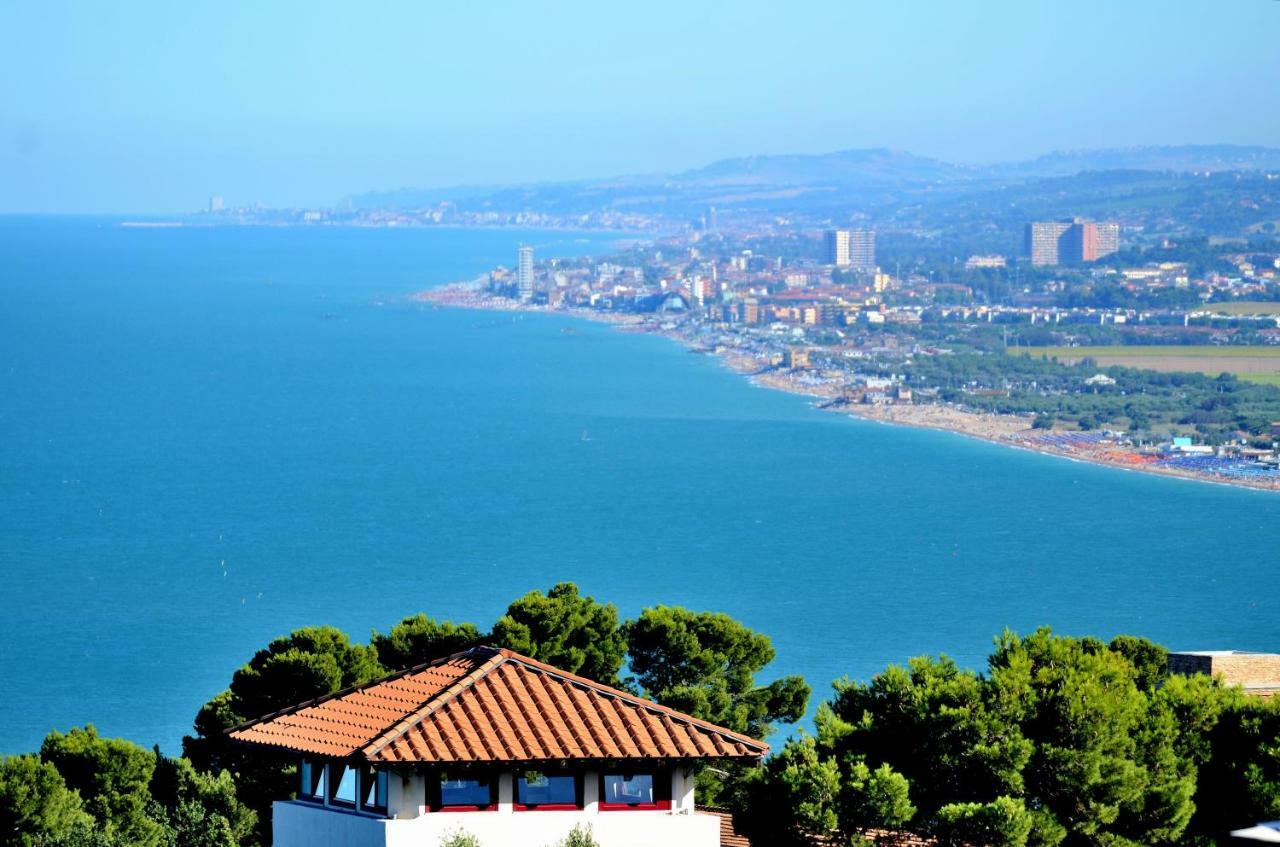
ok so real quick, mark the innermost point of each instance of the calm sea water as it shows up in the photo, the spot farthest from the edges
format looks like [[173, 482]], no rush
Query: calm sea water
[[209, 437]]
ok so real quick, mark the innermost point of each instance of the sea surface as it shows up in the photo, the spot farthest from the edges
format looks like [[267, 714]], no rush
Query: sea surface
[[211, 436]]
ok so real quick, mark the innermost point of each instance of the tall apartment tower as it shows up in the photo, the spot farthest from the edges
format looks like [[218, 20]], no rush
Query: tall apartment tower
[[1107, 239], [1044, 241], [1071, 241], [862, 249], [524, 273], [837, 247]]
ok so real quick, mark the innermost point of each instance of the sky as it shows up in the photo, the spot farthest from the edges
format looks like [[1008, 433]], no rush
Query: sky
[[154, 107]]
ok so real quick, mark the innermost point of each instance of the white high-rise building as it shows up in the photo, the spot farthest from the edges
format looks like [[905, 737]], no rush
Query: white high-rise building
[[215, 203], [699, 290], [862, 249], [837, 244], [524, 273]]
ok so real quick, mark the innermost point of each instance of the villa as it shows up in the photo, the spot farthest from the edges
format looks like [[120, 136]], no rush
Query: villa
[[497, 745]]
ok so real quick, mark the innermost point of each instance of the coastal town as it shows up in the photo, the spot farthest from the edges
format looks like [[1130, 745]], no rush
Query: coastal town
[[1166, 365]]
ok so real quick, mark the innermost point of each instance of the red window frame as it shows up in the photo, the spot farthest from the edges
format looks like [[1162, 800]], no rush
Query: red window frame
[[661, 793], [575, 806]]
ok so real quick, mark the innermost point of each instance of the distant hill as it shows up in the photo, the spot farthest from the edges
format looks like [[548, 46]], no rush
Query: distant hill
[[843, 167], [835, 184], [1181, 159]]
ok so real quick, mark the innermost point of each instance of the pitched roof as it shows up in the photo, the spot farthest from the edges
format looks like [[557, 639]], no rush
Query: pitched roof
[[491, 705]]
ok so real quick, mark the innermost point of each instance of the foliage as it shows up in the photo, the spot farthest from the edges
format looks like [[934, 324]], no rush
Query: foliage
[[705, 663], [579, 836], [419, 639], [305, 664], [879, 799], [459, 838], [89, 791], [1240, 783], [1004, 822], [202, 809], [36, 806], [1062, 740], [567, 630], [792, 800], [112, 777]]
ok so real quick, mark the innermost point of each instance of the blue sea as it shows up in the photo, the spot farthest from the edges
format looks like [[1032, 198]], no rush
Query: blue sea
[[211, 436]]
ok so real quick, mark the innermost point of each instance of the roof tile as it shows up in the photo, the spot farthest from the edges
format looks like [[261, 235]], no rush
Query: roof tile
[[486, 705]]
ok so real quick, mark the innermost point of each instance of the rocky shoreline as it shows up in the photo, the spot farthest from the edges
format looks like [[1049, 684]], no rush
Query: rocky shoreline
[[1008, 430]]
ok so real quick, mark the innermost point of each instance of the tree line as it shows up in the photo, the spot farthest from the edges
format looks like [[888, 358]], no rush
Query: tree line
[[112, 793], [1060, 741]]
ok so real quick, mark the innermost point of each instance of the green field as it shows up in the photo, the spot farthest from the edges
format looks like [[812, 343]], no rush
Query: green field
[[1258, 364], [1244, 307]]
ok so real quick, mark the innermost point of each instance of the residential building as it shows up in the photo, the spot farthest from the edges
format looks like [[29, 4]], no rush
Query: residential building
[[862, 249], [699, 290], [837, 243], [984, 262], [795, 357], [1044, 241], [497, 745], [1257, 673], [524, 273], [1071, 241]]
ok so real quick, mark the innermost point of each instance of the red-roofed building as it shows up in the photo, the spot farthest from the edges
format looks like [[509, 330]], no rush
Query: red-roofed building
[[505, 747]]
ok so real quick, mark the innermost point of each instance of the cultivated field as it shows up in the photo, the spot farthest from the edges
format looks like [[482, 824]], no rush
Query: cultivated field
[[1260, 364], [1243, 307]]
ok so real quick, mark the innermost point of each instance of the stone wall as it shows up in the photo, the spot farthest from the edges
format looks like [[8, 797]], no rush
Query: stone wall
[[1258, 673]]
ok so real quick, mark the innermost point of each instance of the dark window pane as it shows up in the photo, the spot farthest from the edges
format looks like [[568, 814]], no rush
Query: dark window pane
[[465, 792], [630, 789], [547, 790], [373, 788]]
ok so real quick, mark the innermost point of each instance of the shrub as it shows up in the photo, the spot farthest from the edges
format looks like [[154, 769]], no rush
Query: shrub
[[1003, 822], [459, 838], [580, 836]]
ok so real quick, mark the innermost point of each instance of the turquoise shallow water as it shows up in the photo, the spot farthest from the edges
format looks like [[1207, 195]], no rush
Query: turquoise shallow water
[[209, 437]]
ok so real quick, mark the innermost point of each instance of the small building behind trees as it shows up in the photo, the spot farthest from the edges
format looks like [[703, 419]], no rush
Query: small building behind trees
[[499, 745], [1257, 673]]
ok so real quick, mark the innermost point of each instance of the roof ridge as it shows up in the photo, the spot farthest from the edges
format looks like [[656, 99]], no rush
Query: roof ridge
[[634, 699], [352, 689], [434, 702]]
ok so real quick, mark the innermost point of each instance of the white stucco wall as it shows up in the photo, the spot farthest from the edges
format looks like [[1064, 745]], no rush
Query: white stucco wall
[[302, 824], [545, 829]]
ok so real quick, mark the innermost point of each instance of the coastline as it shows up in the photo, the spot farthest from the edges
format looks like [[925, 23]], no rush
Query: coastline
[[1013, 431]]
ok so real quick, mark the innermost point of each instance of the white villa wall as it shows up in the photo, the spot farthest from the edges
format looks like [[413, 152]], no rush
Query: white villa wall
[[545, 829], [303, 824]]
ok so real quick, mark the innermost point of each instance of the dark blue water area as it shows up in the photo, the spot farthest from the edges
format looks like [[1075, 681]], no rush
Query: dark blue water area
[[210, 436]]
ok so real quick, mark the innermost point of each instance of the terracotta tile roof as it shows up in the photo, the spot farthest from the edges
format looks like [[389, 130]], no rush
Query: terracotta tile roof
[[492, 705], [729, 836]]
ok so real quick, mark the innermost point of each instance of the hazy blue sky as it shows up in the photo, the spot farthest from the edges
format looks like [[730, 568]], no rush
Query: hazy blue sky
[[156, 106]]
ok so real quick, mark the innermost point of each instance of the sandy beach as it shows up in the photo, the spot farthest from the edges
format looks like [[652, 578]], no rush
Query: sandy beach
[[1008, 430]]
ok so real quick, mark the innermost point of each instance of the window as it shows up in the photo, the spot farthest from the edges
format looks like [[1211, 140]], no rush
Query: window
[[540, 791], [373, 789], [342, 785], [468, 794], [620, 791], [312, 779]]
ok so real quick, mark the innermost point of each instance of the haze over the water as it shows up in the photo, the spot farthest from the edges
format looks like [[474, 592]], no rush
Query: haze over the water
[[156, 106]]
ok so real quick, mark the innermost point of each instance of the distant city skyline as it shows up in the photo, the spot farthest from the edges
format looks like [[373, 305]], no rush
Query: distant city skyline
[[153, 107]]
